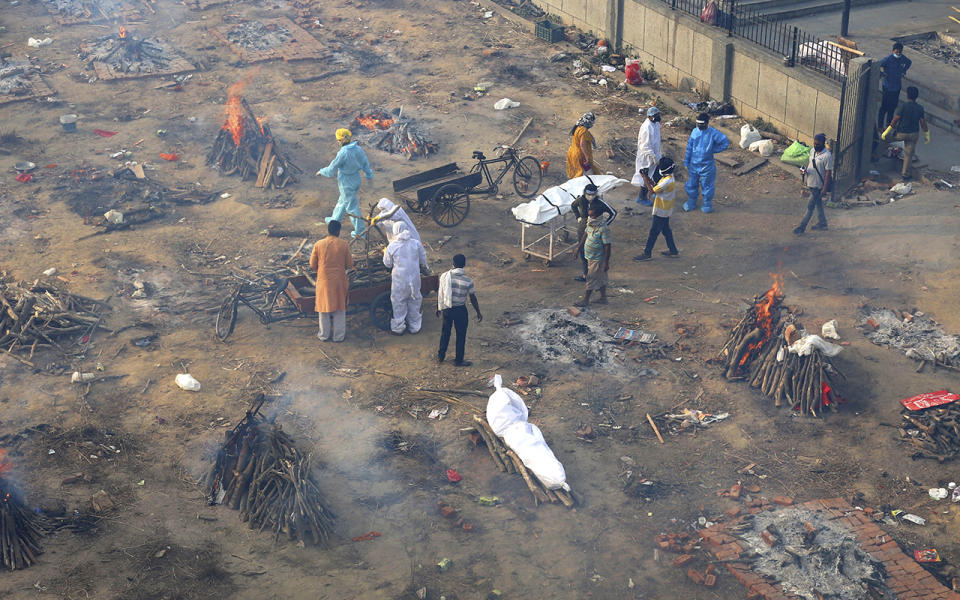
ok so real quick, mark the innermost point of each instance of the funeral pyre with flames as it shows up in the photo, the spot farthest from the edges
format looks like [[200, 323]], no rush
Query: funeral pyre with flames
[[20, 527], [124, 52], [769, 349], [260, 472], [393, 133], [246, 146]]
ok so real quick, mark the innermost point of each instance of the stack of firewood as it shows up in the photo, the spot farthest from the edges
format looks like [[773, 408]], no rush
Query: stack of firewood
[[508, 462], [939, 431], [758, 352], [261, 473], [246, 146], [20, 530], [39, 316]]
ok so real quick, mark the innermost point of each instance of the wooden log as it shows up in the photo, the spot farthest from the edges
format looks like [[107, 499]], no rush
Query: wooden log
[[737, 355], [488, 442]]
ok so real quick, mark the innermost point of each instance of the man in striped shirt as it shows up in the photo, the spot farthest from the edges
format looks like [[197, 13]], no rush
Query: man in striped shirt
[[455, 288]]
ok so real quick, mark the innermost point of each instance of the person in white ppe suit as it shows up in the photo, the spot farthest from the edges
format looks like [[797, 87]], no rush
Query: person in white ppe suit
[[405, 256], [649, 154], [389, 214]]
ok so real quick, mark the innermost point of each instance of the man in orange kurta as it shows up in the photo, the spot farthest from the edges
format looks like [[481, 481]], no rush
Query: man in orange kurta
[[331, 258]]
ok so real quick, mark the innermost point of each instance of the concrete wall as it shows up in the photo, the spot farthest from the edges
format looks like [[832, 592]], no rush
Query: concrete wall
[[690, 55]]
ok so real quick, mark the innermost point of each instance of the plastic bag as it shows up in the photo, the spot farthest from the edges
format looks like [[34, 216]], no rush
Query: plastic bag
[[185, 381], [749, 135], [709, 13], [507, 416], [902, 189], [829, 330], [796, 154], [808, 343], [505, 103], [632, 70], [764, 147]]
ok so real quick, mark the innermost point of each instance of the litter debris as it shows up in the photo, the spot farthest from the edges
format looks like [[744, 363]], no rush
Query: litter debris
[[902, 189], [829, 330], [928, 400], [928, 555], [35, 43], [697, 417], [913, 518], [453, 476], [186, 381], [114, 217], [79, 377], [505, 103], [633, 335], [938, 493]]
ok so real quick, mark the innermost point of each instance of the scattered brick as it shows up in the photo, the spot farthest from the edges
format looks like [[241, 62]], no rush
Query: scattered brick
[[808, 526], [695, 575], [752, 488], [710, 580], [574, 311], [663, 544], [732, 512], [735, 491], [682, 560], [782, 500], [768, 538]]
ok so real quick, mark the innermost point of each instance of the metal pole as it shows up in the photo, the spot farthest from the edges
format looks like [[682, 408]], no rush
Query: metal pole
[[845, 20], [730, 18], [793, 47]]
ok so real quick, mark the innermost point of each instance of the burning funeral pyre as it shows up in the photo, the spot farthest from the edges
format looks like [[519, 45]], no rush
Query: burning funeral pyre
[[261, 473], [124, 52], [393, 133], [246, 146], [20, 528], [765, 349], [39, 316]]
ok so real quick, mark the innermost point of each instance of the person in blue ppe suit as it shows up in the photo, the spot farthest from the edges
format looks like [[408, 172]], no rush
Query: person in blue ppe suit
[[349, 162], [704, 142]]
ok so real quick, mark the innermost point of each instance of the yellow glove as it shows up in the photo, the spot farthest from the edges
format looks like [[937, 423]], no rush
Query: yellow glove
[[926, 137], [374, 220], [886, 132]]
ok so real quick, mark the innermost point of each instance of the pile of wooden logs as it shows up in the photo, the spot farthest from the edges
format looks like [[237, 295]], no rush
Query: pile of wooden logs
[[939, 435], [246, 146], [261, 473], [396, 135], [508, 462], [20, 530], [757, 352], [38, 316]]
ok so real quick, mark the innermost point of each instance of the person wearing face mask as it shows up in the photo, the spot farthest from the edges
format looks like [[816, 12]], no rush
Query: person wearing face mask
[[908, 120], [893, 69], [580, 153], [704, 142], [580, 208], [816, 176], [649, 154], [347, 166], [406, 258]]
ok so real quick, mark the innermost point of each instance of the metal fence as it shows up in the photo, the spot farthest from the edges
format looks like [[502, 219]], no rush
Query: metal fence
[[797, 47]]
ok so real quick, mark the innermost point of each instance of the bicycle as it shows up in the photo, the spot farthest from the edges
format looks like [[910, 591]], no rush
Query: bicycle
[[527, 174], [264, 300]]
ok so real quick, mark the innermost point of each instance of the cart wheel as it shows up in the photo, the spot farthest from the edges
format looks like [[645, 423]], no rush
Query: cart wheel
[[415, 205], [381, 311], [527, 176], [450, 205], [227, 316]]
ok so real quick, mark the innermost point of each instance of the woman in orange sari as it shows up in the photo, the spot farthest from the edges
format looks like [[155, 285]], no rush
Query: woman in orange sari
[[580, 154]]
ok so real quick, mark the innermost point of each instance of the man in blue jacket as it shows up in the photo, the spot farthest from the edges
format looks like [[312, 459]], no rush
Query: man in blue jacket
[[704, 142], [893, 69], [348, 164]]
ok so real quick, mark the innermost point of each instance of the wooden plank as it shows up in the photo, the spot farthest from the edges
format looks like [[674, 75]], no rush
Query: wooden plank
[[753, 164], [846, 48], [264, 159], [406, 183], [731, 161]]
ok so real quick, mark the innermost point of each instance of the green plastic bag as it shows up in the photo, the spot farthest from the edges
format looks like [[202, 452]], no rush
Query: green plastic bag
[[796, 154]]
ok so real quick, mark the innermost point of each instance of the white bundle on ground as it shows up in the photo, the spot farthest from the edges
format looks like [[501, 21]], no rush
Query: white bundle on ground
[[507, 416]]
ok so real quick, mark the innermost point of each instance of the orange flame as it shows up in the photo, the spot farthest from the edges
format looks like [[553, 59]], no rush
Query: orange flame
[[234, 112], [764, 315], [376, 121], [123, 32], [5, 464]]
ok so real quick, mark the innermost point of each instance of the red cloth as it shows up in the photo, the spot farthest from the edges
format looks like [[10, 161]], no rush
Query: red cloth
[[103, 133]]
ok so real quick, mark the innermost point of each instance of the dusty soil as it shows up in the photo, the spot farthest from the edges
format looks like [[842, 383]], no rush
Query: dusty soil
[[424, 58]]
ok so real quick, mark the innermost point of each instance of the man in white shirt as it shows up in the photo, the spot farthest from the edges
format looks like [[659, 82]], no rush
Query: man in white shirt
[[649, 153]]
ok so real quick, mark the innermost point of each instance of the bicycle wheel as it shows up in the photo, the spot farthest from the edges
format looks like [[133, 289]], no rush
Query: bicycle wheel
[[381, 311], [450, 205], [227, 316], [527, 176], [414, 204]]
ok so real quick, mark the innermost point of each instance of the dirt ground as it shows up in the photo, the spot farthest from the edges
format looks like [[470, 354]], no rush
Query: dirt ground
[[145, 442]]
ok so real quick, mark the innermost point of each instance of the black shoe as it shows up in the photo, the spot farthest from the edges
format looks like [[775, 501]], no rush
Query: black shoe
[[396, 333], [670, 254], [798, 231], [819, 227], [462, 363], [580, 278], [440, 360], [642, 257]]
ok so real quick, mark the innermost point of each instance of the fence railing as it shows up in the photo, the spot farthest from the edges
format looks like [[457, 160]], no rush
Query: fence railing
[[796, 46]]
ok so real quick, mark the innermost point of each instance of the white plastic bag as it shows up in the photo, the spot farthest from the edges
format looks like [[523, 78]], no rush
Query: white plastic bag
[[113, 216], [507, 416], [902, 189], [505, 103], [829, 330], [764, 147], [185, 381], [749, 135], [38, 43]]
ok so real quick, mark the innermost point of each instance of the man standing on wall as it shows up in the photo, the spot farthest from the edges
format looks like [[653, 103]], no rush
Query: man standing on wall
[[893, 68], [704, 142]]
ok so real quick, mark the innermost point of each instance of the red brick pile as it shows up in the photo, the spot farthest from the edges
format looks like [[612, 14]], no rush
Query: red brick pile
[[905, 576]]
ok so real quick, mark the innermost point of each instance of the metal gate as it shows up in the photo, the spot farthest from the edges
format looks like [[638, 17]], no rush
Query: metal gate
[[854, 128]]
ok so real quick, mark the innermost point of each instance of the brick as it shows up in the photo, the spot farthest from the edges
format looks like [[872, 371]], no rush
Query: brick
[[891, 545], [808, 526], [695, 575], [735, 491], [664, 544], [752, 488], [732, 512], [682, 560], [574, 311], [710, 580], [768, 538], [754, 510], [782, 500]]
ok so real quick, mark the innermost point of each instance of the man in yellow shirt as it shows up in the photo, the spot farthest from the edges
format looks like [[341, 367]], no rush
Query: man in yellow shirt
[[665, 193]]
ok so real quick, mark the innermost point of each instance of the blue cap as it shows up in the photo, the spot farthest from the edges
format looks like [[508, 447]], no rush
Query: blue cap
[[653, 110], [820, 138]]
